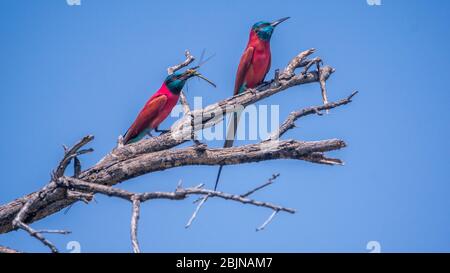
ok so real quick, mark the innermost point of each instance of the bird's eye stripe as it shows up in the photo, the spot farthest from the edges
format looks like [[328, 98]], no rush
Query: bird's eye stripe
[[258, 28]]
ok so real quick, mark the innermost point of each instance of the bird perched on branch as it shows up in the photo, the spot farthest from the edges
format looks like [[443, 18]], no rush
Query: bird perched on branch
[[159, 106], [253, 67]]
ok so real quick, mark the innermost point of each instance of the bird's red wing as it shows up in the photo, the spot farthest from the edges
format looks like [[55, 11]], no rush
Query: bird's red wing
[[268, 68], [145, 117], [244, 64]]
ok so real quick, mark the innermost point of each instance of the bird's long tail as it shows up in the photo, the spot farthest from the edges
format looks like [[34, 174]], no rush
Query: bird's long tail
[[231, 134], [126, 138]]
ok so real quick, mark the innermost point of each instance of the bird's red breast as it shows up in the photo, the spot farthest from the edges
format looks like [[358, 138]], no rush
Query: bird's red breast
[[155, 111], [254, 64]]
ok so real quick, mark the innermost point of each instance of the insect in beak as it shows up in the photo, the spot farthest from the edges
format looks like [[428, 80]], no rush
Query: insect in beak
[[205, 79]]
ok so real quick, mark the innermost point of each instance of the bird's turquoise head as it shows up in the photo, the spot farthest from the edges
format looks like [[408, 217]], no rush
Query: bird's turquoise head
[[176, 81], [265, 29]]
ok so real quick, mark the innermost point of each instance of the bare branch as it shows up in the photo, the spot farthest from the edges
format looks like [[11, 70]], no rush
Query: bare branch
[[19, 219], [82, 196], [203, 199], [189, 59], [269, 182], [296, 62], [289, 123], [134, 223], [307, 64], [4, 249], [178, 194], [71, 153], [146, 163], [158, 153], [54, 231], [162, 160], [323, 88], [194, 215], [263, 226], [184, 103], [76, 167], [320, 158], [239, 198]]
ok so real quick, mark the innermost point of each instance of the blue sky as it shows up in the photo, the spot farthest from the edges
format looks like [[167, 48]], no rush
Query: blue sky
[[67, 71]]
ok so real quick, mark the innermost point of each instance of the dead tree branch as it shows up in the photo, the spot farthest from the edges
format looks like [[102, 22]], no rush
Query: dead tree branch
[[160, 153], [188, 61], [269, 182], [134, 222], [179, 194], [4, 249], [289, 123], [19, 220]]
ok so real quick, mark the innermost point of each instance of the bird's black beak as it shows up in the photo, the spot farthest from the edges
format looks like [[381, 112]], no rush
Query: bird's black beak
[[187, 74], [277, 22]]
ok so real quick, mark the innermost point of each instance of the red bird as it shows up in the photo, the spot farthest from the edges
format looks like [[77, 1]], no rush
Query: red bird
[[159, 106], [253, 67]]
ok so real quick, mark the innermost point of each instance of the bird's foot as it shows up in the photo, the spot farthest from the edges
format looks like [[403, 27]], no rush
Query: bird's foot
[[161, 131], [252, 91], [262, 86], [276, 79]]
